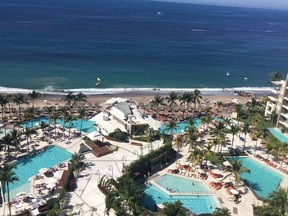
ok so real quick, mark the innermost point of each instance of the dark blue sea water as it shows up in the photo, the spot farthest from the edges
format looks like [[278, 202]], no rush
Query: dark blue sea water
[[66, 44]]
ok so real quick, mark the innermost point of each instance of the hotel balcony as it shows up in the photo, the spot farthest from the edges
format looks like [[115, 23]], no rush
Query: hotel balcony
[[272, 98], [285, 106], [285, 124], [286, 98], [281, 82], [285, 115], [276, 91]]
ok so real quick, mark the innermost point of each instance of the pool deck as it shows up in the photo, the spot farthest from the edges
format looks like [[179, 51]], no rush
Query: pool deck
[[112, 165]]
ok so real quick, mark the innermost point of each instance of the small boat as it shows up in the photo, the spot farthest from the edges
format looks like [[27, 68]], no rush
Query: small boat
[[98, 81], [159, 13], [227, 73], [245, 78]]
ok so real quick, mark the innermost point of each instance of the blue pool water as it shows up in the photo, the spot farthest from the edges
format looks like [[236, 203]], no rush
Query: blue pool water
[[181, 126], [28, 167], [280, 136], [196, 204], [262, 179], [183, 185], [87, 126]]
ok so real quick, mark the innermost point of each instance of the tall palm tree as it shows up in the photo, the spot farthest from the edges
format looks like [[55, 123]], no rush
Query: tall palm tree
[[157, 102], [3, 102], [275, 76], [191, 135], [206, 120], [233, 130], [279, 200], [256, 120], [29, 113], [171, 99], [19, 99], [236, 170], [239, 110], [10, 100], [69, 119], [28, 132], [33, 96], [171, 126], [219, 132], [246, 129], [77, 161], [70, 100], [195, 156], [196, 97], [82, 114], [7, 177], [207, 152], [178, 143], [80, 98], [53, 119]]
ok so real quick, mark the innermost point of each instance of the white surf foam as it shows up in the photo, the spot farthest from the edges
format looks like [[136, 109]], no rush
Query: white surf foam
[[95, 91]]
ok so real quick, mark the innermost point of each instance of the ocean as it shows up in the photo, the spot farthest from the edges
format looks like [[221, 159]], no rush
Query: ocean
[[63, 45]]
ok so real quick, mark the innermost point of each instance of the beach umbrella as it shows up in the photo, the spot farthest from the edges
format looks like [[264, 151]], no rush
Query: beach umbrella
[[233, 191], [43, 170]]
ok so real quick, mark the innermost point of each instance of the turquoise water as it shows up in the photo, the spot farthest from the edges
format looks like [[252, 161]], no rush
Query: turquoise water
[[280, 136], [196, 204], [87, 126], [28, 167], [183, 184], [262, 179], [181, 126]]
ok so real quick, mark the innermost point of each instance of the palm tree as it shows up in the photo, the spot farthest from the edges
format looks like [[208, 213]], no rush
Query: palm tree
[[77, 161], [206, 120], [172, 209], [53, 119], [157, 102], [218, 131], [69, 119], [191, 135], [196, 97], [236, 170], [221, 212], [269, 148], [256, 119], [28, 132], [33, 96], [3, 102], [178, 143], [253, 105], [82, 114], [279, 200], [195, 156], [207, 152], [275, 76], [171, 99], [171, 126], [282, 151], [246, 129], [233, 130], [70, 100], [239, 110], [19, 99], [29, 114], [80, 98], [7, 177]]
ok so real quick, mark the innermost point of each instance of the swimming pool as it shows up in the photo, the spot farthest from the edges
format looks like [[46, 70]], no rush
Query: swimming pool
[[196, 204], [262, 179], [280, 136], [87, 126], [28, 167], [183, 185], [181, 126]]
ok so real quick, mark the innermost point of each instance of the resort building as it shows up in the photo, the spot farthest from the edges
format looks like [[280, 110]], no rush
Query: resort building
[[278, 103], [120, 113]]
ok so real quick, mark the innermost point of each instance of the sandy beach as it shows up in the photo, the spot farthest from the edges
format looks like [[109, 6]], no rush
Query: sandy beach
[[145, 97]]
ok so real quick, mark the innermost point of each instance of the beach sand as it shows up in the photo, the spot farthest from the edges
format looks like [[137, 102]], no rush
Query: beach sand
[[50, 99]]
